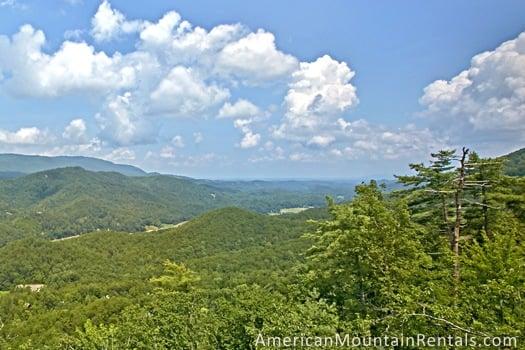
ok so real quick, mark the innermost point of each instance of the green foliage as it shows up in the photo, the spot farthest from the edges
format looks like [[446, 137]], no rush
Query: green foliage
[[374, 266], [515, 163], [176, 277], [71, 201], [368, 260]]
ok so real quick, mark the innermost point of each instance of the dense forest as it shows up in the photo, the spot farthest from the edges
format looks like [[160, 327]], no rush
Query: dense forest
[[441, 255], [70, 201]]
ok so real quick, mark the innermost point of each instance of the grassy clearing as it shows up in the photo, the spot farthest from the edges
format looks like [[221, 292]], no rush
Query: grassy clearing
[[291, 211]]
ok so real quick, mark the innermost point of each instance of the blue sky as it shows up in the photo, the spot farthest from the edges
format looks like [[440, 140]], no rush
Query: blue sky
[[261, 89]]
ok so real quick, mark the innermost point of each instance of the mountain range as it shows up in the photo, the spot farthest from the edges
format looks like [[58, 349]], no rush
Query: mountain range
[[78, 195], [69, 201], [12, 165]]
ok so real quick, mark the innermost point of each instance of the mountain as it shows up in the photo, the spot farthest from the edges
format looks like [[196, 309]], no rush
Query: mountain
[[17, 164], [66, 201], [515, 163], [10, 174], [70, 201], [102, 273], [225, 230]]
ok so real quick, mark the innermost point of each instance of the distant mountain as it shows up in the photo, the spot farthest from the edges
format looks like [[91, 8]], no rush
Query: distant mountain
[[515, 163], [10, 174], [68, 201], [12, 165]]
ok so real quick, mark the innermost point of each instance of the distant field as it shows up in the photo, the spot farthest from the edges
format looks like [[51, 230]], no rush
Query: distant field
[[164, 226], [291, 211]]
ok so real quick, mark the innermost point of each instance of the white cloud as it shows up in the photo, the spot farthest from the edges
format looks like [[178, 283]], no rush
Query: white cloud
[[25, 136], [91, 147], [319, 93], [167, 152], [161, 32], [240, 109], [485, 101], [177, 42], [349, 140], [121, 154], [182, 93], [301, 157], [321, 140], [121, 122], [254, 59], [362, 139], [249, 139], [76, 130], [108, 23], [74, 67], [180, 70], [178, 141]]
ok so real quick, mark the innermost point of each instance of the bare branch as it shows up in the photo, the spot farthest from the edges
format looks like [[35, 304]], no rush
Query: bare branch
[[450, 324], [436, 191], [481, 204]]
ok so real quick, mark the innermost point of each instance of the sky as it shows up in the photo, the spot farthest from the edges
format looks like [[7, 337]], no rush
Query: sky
[[273, 89]]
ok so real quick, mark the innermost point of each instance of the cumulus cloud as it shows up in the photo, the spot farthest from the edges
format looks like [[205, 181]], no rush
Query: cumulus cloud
[[182, 94], [121, 122], [167, 152], [362, 139], [121, 154], [92, 147], [177, 70], [25, 136], [249, 139], [240, 109], [73, 67], [161, 32], [321, 140], [487, 100], [178, 141], [319, 93], [76, 130], [255, 59], [177, 41], [108, 23]]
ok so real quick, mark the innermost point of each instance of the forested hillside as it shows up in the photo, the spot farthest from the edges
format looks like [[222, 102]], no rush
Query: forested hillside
[[70, 201], [443, 256], [100, 274], [515, 163]]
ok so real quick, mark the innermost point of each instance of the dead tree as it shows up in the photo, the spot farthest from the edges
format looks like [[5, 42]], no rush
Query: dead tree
[[458, 194]]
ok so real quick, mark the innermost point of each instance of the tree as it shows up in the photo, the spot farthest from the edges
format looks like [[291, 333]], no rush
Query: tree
[[430, 189], [176, 277], [368, 259]]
